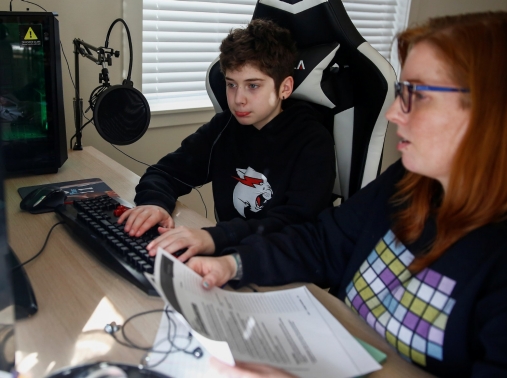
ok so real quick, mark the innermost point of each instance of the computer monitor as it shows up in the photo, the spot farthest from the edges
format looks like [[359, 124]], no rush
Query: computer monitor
[[7, 348], [31, 97]]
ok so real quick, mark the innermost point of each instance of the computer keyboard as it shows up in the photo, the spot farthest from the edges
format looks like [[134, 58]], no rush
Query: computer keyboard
[[94, 221]]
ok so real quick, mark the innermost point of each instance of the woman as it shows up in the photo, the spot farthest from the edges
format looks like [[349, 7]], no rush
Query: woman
[[421, 252]]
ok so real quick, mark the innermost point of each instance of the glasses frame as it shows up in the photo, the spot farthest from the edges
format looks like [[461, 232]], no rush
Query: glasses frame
[[398, 91]]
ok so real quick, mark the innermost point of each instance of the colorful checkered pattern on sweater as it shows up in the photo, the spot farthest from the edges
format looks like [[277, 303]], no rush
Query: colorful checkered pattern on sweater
[[410, 312]]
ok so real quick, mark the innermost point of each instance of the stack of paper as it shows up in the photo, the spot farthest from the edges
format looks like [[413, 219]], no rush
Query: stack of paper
[[289, 329]]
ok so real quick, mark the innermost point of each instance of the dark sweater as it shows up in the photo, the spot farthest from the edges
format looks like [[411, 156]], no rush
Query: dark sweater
[[450, 319], [262, 180]]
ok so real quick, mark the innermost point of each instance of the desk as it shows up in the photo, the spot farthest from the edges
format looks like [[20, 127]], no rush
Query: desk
[[78, 296]]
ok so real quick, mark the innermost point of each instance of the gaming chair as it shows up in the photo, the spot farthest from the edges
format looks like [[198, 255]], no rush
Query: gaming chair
[[341, 74]]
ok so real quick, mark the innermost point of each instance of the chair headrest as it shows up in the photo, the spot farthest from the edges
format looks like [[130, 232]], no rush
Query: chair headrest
[[324, 52]]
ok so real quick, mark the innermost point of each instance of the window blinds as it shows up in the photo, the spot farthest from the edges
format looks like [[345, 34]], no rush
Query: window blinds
[[181, 38], [376, 21]]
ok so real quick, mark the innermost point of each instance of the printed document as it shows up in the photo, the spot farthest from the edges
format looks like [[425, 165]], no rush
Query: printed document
[[288, 329]]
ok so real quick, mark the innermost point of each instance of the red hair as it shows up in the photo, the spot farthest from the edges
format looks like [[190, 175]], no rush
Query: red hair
[[474, 47]]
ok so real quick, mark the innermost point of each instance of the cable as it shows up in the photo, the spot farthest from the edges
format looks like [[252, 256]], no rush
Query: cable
[[214, 142], [42, 249], [112, 328], [158, 169], [37, 5], [94, 95], [68, 66], [81, 129], [129, 38], [97, 91]]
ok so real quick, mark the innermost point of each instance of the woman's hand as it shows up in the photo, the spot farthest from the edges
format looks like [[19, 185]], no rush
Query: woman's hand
[[196, 241], [141, 218], [247, 370], [216, 271]]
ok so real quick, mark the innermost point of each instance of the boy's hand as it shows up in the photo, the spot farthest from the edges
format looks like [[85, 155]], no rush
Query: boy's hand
[[196, 241], [247, 370], [141, 218], [216, 271]]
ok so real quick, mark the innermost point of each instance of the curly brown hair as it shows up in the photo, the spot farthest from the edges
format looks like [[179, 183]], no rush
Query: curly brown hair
[[262, 44]]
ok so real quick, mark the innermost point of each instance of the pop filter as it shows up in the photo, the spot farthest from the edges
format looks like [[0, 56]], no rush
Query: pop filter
[[121, 114]]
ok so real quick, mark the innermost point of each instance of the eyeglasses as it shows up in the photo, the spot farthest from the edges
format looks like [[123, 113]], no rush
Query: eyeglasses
[[405, 90]]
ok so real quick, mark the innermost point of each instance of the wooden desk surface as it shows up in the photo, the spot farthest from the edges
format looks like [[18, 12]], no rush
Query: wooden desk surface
[[78, 296]]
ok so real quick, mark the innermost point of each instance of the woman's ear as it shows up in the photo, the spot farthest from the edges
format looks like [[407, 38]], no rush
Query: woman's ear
[[286, 87]]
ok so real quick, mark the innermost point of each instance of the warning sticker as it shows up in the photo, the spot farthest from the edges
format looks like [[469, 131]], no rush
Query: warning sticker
[[30, 35]]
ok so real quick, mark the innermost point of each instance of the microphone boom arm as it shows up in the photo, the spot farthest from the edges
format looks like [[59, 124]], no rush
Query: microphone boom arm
[[104, 58]]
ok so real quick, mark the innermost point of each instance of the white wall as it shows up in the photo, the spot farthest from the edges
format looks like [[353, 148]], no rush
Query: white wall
[[89, 20]]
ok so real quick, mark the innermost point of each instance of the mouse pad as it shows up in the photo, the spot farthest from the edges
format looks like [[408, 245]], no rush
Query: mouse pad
[[75, 190]]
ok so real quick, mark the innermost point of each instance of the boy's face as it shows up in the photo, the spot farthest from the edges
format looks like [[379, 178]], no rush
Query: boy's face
[[252, 97]]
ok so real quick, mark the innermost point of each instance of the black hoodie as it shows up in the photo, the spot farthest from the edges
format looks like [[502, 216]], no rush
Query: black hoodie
[[262, 179]]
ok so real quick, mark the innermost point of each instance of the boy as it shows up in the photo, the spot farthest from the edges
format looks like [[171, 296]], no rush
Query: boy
[[270, 164]]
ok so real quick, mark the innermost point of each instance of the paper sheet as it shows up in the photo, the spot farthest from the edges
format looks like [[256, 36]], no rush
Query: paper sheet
[[288, 329]]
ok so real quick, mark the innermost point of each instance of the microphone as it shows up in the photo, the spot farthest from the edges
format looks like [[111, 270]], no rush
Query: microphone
[[121, 113]]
